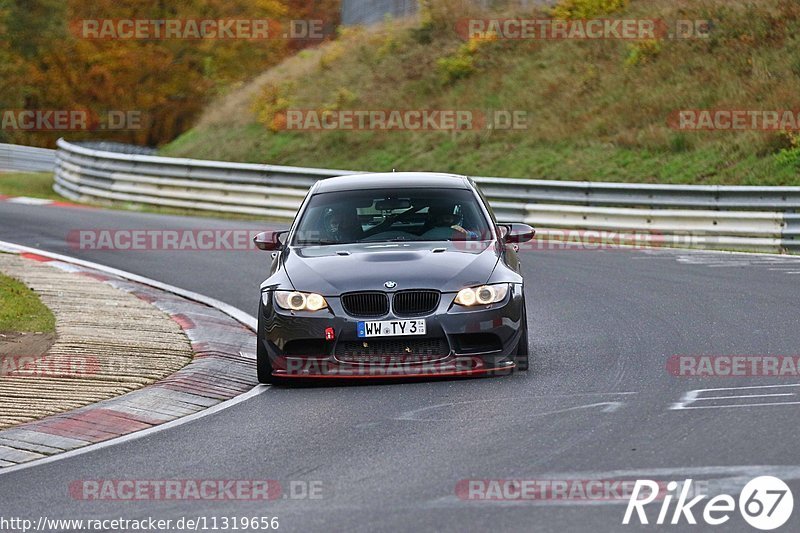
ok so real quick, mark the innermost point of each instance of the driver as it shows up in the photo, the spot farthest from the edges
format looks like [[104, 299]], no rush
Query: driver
[[443, 224], [342, 226]]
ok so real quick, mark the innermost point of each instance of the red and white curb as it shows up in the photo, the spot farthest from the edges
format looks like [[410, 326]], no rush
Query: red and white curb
[[41, 202], [223, 369]]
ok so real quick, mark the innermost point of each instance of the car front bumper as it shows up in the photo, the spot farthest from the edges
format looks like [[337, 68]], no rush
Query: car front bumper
[[473, 341]]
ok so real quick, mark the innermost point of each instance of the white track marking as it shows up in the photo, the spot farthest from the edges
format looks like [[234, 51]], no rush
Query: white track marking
[[786, 264], [732, 406], [706, 398], [691, 397], [25, 200], [229, 310], [607, 406]]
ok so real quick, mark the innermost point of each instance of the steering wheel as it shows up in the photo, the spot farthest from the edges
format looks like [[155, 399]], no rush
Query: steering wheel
[[389, 220]]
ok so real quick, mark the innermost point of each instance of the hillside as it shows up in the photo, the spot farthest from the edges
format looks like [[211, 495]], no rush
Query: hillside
[[597, 109]]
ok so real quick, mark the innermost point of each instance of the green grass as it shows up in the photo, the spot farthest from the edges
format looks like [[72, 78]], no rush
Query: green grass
[[32, 184], [597, 110], [519, 158], [21, 310]]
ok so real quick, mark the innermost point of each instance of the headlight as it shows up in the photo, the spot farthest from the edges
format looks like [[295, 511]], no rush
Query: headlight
[[300, 301], [483, 295]]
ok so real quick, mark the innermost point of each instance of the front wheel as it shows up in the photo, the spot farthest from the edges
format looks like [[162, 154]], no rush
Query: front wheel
[[263, 366], [522, 357]]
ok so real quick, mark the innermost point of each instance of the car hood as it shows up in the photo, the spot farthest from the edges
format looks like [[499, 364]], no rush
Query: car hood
[[336, 269]]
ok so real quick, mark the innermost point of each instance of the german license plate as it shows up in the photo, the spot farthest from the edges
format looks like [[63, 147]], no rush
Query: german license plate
[[391, 328]]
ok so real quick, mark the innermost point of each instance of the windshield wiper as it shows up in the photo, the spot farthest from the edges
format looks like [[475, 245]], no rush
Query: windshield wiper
[[393, 239], [318, 243]]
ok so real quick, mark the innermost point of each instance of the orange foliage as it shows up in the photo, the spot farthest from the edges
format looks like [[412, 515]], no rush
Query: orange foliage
[[46, 63]]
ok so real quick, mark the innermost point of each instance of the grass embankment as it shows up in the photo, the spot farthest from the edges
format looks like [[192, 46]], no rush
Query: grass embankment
[[21, 310], [597, 110]]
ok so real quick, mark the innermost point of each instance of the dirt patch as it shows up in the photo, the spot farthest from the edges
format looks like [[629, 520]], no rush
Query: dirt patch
[[32, 344], [15, 346]]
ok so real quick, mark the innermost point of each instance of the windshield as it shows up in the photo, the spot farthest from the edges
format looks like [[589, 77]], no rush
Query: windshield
[[400, 215]]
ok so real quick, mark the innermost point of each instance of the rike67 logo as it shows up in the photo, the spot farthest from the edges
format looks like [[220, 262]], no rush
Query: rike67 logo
[[765, 503]]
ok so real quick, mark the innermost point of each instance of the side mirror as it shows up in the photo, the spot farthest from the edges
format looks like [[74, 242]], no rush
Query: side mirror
[[269, 240], [516, 233]]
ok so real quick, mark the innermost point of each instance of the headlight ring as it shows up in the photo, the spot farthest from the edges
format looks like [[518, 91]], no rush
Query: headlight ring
[[482, 295], [300, 301]]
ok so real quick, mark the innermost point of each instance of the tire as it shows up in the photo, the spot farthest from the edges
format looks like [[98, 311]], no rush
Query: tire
[[263, 366], [522, 356]]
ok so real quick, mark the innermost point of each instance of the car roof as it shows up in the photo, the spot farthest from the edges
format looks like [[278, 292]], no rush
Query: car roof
[[392, 180]]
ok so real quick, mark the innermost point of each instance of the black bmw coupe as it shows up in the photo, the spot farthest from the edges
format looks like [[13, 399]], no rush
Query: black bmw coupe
[[393, 275]]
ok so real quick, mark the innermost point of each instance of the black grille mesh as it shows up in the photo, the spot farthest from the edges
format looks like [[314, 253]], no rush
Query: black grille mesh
[[366, 304], [411, 303], [389, 351]]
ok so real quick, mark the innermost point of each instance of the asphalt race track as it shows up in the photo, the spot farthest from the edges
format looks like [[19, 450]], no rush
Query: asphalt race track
[[597, 403]]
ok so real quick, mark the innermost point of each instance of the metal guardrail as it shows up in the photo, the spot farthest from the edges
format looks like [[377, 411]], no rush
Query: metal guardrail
[[726, 217], [122, 148], [26, 158], [367, 12]]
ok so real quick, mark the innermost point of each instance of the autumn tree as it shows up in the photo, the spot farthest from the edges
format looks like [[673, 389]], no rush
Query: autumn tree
[[47, 62]]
